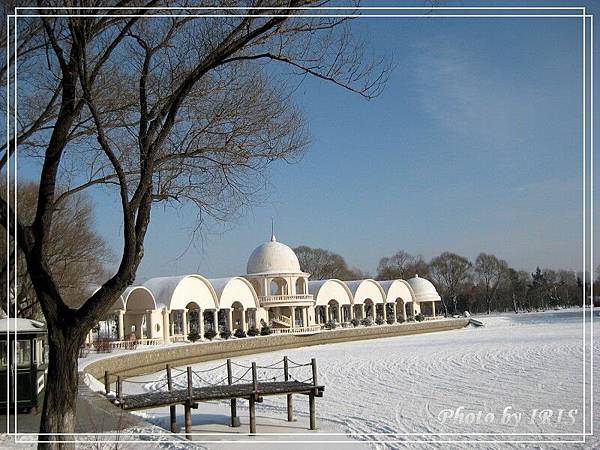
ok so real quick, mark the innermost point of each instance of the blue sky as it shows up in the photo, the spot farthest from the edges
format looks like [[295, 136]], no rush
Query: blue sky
[[475, 145]]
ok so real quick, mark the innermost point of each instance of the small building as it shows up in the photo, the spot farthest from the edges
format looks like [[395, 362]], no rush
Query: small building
[[22, 363]]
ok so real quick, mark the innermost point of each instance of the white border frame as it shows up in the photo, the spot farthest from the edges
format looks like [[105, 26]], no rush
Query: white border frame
[[583, 15]]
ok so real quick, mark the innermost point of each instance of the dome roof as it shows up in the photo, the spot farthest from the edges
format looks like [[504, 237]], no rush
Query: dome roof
[[424, 290], [272, 257]]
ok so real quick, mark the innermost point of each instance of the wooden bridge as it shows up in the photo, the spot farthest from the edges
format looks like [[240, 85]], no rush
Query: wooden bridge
[[247, 386]]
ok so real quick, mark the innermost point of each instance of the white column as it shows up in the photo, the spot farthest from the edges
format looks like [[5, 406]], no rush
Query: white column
[[121, 325], [230, 319], [201, 323], [142, 327], [433, 308], [362, 311], [293, 314], [165, 326], [216, 319], [404, 311]]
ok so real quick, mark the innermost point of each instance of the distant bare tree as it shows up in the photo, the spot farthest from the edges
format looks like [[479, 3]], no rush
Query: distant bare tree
[[173, 109], [323, 264], [450, 272], [77, 254], [402, 265], [516, 284], [489, 271]]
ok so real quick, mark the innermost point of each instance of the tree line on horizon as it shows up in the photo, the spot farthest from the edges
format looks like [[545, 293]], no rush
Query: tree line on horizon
[[481, 286]]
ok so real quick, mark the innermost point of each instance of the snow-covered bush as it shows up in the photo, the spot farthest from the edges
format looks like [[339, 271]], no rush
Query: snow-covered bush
[[355, 322], [367, 322], [265, 330], [193, 336], [379, 321], [419, 317], [239, 333], [331, 325], [253, 331], [225, 334], [210, 334]]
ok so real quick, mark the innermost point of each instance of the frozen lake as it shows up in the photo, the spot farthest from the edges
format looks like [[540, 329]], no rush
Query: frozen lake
[[496, 379]]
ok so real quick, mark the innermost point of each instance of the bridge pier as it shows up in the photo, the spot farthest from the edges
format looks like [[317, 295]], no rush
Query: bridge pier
[[311, 397], [235, 420], [286, 377], [252, 407], [188, 421], [252, 404], [312, 409], [172, 408]]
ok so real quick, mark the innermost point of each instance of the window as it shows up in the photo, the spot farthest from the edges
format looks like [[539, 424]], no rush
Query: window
[[3, 354], [23, 353]]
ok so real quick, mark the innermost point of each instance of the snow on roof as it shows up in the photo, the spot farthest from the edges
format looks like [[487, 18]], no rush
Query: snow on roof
[[273, 257], [22, 325], [219, 284], [162, 288], [315, 285], [353, 285]]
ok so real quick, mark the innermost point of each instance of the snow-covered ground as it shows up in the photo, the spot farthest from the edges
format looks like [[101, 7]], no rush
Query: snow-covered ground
[[472, 380], [460, 381]]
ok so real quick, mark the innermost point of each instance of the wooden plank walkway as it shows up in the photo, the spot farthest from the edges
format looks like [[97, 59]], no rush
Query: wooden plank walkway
[[205, 394], [252, 392]]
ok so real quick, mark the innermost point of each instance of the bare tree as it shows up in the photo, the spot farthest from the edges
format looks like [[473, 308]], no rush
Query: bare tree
[[323, 264], [450, 272], [172, 109], [402, 265], [489, 272], [77, 254], [516, 284]]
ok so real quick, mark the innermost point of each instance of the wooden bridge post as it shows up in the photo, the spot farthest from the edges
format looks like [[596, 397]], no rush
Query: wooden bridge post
[[188, 405], [106, 382], [311, 396], [235, 421], [172, 408], [120, 389], [188, 420], [253, 400], [312, 410], [286, 377]]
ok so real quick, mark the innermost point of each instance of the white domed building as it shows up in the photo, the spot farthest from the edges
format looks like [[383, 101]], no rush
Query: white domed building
[[425, 296], [275, 291], [282, 287]]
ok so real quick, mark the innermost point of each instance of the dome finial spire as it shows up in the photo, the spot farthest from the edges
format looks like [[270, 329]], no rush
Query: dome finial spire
[[273, 230]]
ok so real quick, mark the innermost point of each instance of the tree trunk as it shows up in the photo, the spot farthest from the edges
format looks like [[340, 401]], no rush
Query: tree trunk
[[445, 308], [60, 400]]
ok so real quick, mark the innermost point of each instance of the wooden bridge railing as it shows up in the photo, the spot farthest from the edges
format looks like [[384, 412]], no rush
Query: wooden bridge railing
[[246, 385]]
